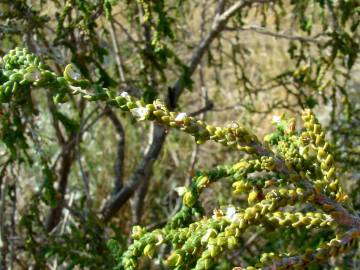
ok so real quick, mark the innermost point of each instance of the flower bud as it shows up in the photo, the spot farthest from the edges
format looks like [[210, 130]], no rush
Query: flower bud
[[175, 259], [189, 199], [130, 105], [160, 239], [110, 93], [240, 187], [317, 129], [16, 77], [231, 242], [221, 241], [32, 74], [329, 160], [71, 73], [165, 119], [253, 195], [214, 250], [202, 182], [334, 186], [210, 233], [319, 139], [330, 173], [149, 250], [150, 107], [137, 232], [324, 166], [120, 100], [321, 153], [141, 113], [159, 113]]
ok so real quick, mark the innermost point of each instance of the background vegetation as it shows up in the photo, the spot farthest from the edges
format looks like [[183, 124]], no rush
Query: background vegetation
[[75, 174]]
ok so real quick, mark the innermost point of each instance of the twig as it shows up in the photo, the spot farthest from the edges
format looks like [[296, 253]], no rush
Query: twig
[[120, 153], [139, 198], [267, 32], [218, 26], [4, 243], [143, 169], [118, 58]]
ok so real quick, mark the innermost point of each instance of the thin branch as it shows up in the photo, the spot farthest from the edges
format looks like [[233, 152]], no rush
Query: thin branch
[[120, 153], [142, 171], [118, 57], [138, 201], [67, 159], [267, 32], [326, 251], [84, 175], [55, 121], [205, 100], [3, 232], [82, 131], [13, 195], [208, 107], [128, 35], [218, 26], [334, 21]]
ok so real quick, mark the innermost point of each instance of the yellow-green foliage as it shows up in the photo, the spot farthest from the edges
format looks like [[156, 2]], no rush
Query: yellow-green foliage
[[298, 187]]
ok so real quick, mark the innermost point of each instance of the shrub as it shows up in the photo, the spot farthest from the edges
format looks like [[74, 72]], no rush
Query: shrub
[[283, 201]]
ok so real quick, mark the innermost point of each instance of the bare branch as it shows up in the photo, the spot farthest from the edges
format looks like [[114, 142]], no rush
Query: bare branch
[[118, 57], [64, 172], [120, 153], [142, 171], [218, 26], [4, 247], [267, 32], [138, 201]]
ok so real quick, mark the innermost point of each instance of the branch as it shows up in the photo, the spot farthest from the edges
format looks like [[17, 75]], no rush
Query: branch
[[67, 159], [139, 198], [335, 246], [138, 201], [120, 155], [335, 209], [3, 232], [55, 121], [142, 171], [209, 105], [236, 137], [267, 32], [216, 29], [118, 57]]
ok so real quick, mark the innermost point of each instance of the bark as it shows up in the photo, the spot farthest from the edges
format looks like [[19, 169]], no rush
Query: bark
[[55, 213], [140, 173], [139, 198], [120, 152]]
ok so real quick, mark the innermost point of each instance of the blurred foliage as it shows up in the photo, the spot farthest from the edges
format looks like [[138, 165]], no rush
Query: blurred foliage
[[68, 149]]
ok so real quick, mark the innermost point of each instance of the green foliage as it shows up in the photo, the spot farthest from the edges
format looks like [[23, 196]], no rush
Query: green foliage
[[88, 97], [301, 166]]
